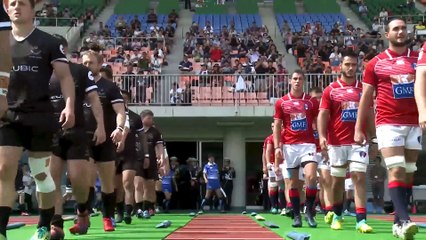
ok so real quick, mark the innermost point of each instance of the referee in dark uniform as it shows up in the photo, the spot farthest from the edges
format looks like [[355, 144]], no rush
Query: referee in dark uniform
[[152, 151], [30, 123], [126, 163], [114, 120], [71, 146], [6, 58]]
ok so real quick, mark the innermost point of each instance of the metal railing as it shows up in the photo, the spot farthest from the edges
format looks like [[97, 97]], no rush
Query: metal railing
[[55, 22], [213, 90]]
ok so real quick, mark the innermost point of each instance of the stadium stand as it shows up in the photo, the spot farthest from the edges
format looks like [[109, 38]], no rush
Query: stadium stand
[[321, 6], [166, 6], [246, 6], [241, 21], [131, 7], [210, 7], [162, 21], [285, 7], [296, 21], [393, 7]]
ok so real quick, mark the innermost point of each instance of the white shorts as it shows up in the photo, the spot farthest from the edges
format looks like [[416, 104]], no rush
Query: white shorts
[[68, 190], [297, 154], [286, 173], [349, 184], [408, 137], [271, 173], [340, 155], [322, 164]]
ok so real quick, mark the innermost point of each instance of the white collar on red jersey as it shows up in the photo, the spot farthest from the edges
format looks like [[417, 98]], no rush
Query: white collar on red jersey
[[391, 54], [291, 98], [341, 85]]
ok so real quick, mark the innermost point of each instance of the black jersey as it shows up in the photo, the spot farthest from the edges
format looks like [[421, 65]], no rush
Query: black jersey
[[135, 122], [4, 19], [109, 94], [32, 69], [149, 139], [84, 84]]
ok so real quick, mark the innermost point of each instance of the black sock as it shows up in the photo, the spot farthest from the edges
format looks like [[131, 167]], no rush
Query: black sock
[[4, 219], [167, 204], [81, 207], [295, 200], [129, 209], [120, 208], [91, 198], [398, 194], [311, 194], [46, 216], [108, 200], [361, 214], [22, 208], [57, 221], [409, 189], [139, 206], [348, 204], [338, 209]]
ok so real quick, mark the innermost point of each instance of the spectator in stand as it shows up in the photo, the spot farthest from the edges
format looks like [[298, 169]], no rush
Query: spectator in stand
[[144, 63], [185, 65], [175, 94], [152, 17], [129, 80], [120, 24], [173, 17], [135, 23], [156, 63], [383, 16], [216, 53], [362, 9], [335, 57]]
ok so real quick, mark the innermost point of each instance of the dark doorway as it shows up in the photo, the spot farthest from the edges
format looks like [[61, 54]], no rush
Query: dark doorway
[[253, 172], [182, 150]]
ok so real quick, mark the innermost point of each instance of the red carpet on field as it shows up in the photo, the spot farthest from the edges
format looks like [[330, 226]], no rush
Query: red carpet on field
[[230, 227], [30, 220], [390, 218]]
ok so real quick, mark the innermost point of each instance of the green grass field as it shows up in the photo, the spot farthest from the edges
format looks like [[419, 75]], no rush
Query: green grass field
[[145, 229], [139, 229], [382, 229]]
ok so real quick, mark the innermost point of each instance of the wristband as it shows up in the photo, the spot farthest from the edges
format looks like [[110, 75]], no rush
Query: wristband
[[4, 74], [277, 148], [120, 128], [374, 140], [146, 155]]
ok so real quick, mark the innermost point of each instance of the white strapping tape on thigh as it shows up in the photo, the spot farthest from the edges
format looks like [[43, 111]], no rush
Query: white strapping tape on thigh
[[338, 172], [357, 167], [37, 166], [395, 161], [272, 184], [410, 167]]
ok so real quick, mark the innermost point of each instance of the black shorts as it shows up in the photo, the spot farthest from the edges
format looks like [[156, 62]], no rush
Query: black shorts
[[125, 161], [71, 144], [151, 173], [105, 152], [31, 138]]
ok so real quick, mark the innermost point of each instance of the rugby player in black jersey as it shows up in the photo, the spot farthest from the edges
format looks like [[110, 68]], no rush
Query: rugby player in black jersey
[[126, 163], [71, 145], [30, 123], [152, 152], [114, 119], [5, 59]]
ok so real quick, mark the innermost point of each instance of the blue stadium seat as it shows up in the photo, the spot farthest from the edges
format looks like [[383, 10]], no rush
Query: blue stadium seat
[[242, 21], [297, 20]]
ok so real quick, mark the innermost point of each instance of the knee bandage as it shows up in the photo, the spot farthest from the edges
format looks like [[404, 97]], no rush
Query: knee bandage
[[338, 172], [410, 167], [395, 161], [357, 167], [39, 166]]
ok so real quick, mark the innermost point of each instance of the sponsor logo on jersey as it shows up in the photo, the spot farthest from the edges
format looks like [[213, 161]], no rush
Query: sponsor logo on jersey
[[349, 111], [402, 86], [25, 68], [298, 122]]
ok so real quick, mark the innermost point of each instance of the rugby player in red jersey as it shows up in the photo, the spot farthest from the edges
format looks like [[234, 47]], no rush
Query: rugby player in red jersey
[[392, 74], [336, 128], [296, 112]]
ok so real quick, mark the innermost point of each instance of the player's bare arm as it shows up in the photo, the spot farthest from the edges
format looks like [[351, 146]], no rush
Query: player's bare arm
[[117, 134], [99, 136], [364, 111], [264, 166], [5, 66], [420, 94], [277, 139], [159, 153], [63, 73], [322, 123]]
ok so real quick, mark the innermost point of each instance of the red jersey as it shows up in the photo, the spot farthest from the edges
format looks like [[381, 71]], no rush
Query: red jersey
[[393, 77], [297, 114], [342, 101], [270, 140]]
